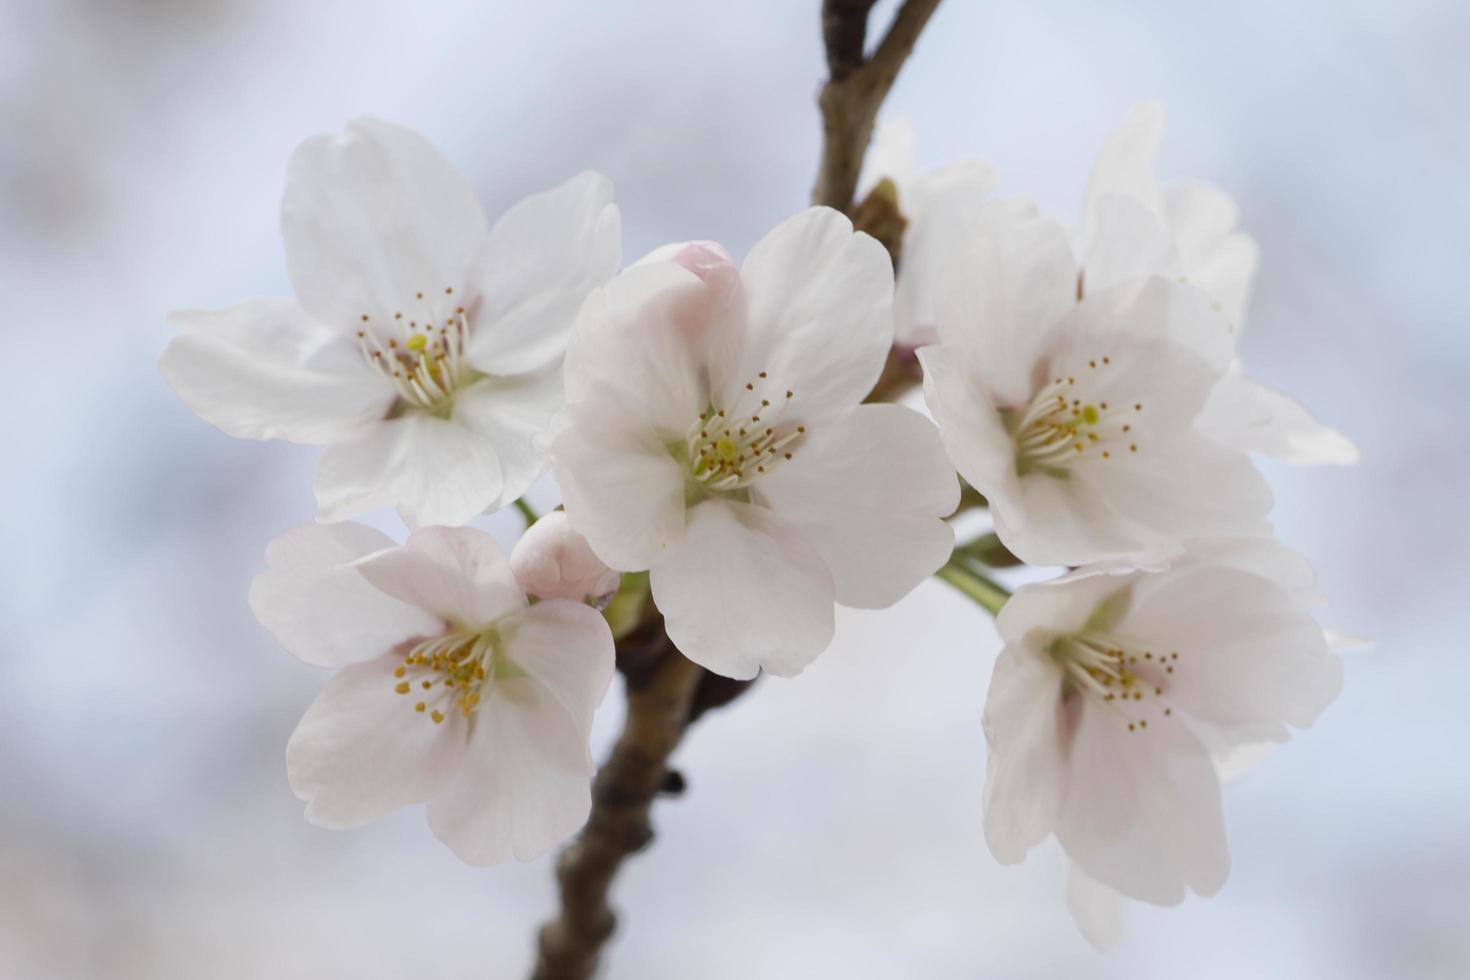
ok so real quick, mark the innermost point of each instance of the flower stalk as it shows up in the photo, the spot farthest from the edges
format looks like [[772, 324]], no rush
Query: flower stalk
[[961, 573]]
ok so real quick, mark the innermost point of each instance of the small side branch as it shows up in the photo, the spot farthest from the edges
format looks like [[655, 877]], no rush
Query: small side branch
[[856, 88], [661, 696]]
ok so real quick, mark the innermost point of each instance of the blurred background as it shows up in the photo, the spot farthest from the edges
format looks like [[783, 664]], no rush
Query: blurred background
[[832, 827]]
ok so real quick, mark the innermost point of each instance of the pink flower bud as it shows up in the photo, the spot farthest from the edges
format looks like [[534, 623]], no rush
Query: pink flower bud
[[553, 561]]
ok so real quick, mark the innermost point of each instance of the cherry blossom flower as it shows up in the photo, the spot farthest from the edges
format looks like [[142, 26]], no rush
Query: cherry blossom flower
[[1132, 227], [451, 689], [423, 347], [1077, 419], [714, 435], [936, 205], [1112, 697], [553, 561]]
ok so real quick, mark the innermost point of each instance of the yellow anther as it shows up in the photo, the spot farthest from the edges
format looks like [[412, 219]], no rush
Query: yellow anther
[[402, 687]]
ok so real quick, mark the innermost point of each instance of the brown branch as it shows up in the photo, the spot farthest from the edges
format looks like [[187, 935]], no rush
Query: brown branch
[[856, 88], [662, 687]]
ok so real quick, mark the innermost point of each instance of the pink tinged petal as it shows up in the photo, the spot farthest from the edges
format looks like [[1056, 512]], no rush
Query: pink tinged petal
[[1142, 810], [526, 781], [621, 487], [1249, 657], [745, 591], [457, 573], [317, 605], [1025, 775], [540, 261], [1129, 242], [435, 471], [552, 560], [870, 491], [941, 208], [265, 370], [513, 415], [371, 218], [567, 648], [1252, 417], [1006, 285], [820, 313], [652, 343], [1096, 909], [1215, 256], [361, 751]]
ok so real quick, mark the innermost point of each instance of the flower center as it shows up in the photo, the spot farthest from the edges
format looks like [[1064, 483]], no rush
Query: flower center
[[1118, 671], [449, 671], [730, 448], [422, 358], [1062, 426]]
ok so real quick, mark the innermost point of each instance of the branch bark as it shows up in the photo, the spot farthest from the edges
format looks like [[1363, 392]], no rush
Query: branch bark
[[662, 686], [856, 87]]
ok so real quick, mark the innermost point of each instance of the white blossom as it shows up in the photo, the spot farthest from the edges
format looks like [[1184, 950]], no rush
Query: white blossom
[[714, 435], [1132, 227], [1078, 419], [423, 347], [451, 689], [553, 561], [1113, 695]]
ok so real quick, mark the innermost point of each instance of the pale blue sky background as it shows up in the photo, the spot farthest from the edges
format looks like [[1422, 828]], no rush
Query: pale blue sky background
[[832, 828]]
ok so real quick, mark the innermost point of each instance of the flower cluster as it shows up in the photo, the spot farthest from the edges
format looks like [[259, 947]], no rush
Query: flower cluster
[[711, 423]]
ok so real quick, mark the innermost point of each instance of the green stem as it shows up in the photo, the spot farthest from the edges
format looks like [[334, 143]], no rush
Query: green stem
[[988, 593], [527, 511]]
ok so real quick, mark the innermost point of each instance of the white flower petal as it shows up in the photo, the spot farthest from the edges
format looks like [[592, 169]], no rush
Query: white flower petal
[[1182, 487], [1125, 166], [1005, 288], [514, 415], [540, 261], [1214, 256], [1142, 812], [320, 608], [959, 398], [567, 648], [361, 751], [648, 342], [265, 370], [870, 491], [942, 209], [457, 573], [435, 471], [1025, 728], [621, 487], [371, 218], [1096, 909], [820, 316], [1129, 242], [744, 591], [1250, 657], [526, 781], [1249, 416]]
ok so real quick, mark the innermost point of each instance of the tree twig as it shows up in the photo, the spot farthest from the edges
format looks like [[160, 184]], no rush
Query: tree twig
[[856, 87], [661, 695]]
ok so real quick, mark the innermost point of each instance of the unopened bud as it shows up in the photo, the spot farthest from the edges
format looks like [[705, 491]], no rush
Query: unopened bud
[[553, 561]]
